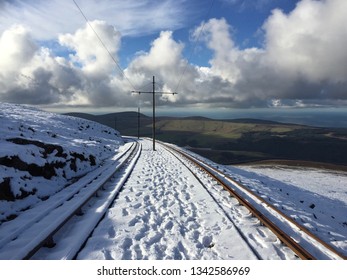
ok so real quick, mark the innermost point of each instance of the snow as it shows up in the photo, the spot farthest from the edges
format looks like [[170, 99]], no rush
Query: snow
[[328, 183], [316, 198], [162, 212], [71, 147]]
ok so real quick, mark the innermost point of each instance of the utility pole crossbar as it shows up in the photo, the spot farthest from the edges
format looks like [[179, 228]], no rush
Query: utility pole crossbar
[[153, 102]]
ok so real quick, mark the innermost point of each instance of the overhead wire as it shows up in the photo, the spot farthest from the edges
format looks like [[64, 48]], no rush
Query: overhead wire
[[103, 44], [120, 68], [194, 47]]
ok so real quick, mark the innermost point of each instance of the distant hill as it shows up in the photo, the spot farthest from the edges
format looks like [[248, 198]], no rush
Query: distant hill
[[125, 122], [256, 121], [238, 140]]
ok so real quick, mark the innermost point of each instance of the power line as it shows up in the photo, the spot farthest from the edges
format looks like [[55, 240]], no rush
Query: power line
[[145, 87], [194, 47], [102, 43]]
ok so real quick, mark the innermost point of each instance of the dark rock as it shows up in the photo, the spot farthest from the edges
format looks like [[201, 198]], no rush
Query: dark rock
[[5, 190]]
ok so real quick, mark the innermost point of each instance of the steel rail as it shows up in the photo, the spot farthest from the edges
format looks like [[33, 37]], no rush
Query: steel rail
[[284, 237], [31, 219], [117, 189], [77, 209], [45, 237], [180, 159]]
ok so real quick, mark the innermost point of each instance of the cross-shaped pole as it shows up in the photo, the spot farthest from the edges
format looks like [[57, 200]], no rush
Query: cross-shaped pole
[[153, 102]]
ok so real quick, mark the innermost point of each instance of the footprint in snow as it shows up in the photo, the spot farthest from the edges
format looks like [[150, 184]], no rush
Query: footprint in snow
[[127, 253], [196, 234], [111, 232], [207, 242], [137, 205], [154, 239], [133, 222], [125, 212], [107, 254], [138, 194], [168, 225]]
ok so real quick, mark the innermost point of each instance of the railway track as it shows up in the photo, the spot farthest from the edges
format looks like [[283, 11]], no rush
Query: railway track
[[67, 220], [71, 214], [299, 239]]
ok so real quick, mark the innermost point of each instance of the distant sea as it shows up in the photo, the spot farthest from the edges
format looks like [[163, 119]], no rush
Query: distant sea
[[324, 117]]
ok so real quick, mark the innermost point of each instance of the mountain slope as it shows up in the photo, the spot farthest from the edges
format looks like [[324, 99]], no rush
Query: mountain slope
[[40, 153]]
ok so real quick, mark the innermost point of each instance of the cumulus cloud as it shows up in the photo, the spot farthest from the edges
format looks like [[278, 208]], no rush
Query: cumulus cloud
[[89, 52], [296, 67], [305, 48], [196, 85], [303, 58], [302, 63], [17, 48], [34, 75], [309, 41], [164, 60]]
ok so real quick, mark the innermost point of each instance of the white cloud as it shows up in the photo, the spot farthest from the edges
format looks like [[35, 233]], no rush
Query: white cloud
[[30, 74], [303, 63], [310, 41], [90, 53], [17, 49], [216, 34], [303, 57], [164, 60]]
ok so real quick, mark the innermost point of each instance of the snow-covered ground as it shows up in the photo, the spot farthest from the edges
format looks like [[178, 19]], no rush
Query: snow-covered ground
[[316, 198], [163, 211], [41, 153], [324, 182]]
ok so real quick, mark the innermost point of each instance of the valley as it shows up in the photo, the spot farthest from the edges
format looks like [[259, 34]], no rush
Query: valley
[[240, 140]]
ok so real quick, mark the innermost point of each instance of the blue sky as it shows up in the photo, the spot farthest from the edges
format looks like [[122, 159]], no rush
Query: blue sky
[[240, 54], [245, 17]]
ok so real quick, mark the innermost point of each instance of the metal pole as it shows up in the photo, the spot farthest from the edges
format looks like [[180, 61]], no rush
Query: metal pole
[[138, 122], [153, 114], [153, 93]]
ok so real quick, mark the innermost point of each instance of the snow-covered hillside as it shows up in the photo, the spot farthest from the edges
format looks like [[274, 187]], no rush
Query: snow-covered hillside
[[41, 152]]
